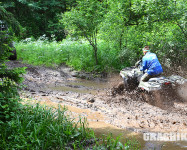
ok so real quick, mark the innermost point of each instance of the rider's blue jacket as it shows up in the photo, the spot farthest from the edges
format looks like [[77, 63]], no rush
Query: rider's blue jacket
[[151, 64]]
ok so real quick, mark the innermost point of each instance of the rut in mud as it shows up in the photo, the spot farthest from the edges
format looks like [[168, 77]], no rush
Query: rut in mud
[[127, 110]]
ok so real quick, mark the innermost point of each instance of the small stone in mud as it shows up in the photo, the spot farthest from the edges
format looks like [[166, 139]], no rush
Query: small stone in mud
[[90, 105], [32, 91], [74, 73], [151, 125], [91, 100], [131, 129]]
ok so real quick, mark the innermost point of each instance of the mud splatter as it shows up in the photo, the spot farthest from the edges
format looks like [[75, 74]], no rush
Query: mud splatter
[[133, 110]]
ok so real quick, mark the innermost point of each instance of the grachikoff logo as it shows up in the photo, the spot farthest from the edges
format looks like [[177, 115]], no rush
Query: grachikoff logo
[[172, 136]]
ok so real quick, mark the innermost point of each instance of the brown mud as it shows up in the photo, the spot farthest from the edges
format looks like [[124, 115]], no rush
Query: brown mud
[[134, 111]]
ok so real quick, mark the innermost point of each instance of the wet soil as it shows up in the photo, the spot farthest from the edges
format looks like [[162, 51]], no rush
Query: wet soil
[[123, 109]]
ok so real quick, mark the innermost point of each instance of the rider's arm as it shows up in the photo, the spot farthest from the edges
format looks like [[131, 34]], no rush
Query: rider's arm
[[144, 65]]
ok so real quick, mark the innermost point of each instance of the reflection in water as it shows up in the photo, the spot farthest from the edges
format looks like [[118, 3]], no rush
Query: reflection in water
[[152, 146], [78, 85], [96, 121]]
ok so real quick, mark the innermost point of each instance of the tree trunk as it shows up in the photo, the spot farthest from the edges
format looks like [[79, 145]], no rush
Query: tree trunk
[[95, 54], [121, 39], [93, 42]]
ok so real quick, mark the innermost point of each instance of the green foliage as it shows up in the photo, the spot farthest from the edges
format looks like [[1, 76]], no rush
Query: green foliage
[[5, 41], [116, 31], [40, 52], [108, 142], [84, 20], [130, 25], [42, 127], [39, 17], [77, 54], [9, 19], [9, 99], [9, 78], [38, 127]]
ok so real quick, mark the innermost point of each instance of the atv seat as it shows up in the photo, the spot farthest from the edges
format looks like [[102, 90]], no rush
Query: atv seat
[[160, 80], [156, 79]]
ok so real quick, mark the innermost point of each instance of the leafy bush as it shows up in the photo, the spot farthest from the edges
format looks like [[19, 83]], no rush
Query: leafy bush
[[9, 78], [9, 99], [108, 142], [77, 54], [5, 40], [38, 127]]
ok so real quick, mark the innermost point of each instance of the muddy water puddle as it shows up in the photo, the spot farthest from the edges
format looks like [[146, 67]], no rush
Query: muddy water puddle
[[67, 88], [84, 86], [39, 78], [96, 121]]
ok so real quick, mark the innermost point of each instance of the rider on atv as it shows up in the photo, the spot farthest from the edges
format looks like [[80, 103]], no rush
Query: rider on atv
[[150, 64], [150, 67]]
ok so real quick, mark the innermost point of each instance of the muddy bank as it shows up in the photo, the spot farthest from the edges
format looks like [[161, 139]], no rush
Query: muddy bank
[[125, 110]]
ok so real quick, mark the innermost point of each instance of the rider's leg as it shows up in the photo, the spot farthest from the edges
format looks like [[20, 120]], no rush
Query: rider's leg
[[145, 77]]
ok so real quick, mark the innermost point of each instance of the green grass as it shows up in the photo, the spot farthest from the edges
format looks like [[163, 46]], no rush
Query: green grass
[[39, 127], [77, 54]]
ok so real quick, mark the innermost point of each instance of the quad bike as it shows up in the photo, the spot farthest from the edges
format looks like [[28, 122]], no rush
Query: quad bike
[[155, 91]]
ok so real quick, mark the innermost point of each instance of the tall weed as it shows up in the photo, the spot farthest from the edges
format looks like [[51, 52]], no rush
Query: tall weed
[[78, 54], [37, 127]]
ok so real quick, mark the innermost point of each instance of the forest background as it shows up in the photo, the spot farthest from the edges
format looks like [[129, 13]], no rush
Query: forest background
[[90, 35], [99, 35]]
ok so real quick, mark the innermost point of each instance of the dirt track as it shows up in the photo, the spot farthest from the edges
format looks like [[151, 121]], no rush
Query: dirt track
[[125, 110]]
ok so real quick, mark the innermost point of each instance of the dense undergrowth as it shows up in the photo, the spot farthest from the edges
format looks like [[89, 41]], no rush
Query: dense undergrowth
[[42, 127], [37, 127], [78, 54]]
